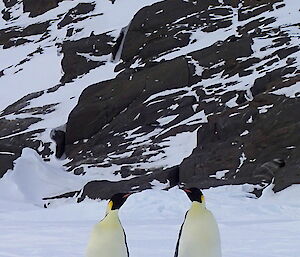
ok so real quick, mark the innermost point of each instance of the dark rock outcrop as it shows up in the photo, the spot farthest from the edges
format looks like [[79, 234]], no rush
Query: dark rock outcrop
[[15, 36], [59, 136], [167, 26], [38, 7], [113, 101], [247, 144], [75, 14], [9, 3], [104, 189], [83, 55], [6, 13]]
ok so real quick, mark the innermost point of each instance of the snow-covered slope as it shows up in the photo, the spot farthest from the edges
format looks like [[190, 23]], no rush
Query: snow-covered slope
[[35, 68]]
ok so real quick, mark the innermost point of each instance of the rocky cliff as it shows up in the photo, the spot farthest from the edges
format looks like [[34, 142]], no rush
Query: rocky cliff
[[176, 91]]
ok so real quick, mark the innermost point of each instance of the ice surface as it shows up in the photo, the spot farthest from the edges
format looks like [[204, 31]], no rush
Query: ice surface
[[265, 227]]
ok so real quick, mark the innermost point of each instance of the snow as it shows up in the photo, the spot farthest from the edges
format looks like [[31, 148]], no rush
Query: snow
[[176, 148], [250, 120], [265, 227], [291, 91], [198, 68], [198, 117], [243, 158], [33, 179], [264, 108], [246, 132], [291, 147], [219, 174], [165, 93], [8, 153], [41, 72], [232, 102], [166, 120]]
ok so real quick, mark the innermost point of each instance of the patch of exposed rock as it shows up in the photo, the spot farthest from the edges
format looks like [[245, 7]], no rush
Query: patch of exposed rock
[[38, 7], [85, 54]]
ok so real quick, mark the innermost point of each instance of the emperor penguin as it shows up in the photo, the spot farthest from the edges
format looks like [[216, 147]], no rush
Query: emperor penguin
[[108, 238], [199, 234]]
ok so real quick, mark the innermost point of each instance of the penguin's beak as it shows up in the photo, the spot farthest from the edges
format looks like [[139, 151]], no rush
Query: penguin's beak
[[186, 190]]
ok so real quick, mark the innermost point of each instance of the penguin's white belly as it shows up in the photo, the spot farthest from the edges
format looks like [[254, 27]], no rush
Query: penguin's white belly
[[200, 235], [107, 240]]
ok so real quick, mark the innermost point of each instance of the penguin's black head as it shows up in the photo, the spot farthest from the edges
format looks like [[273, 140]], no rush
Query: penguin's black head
[[117, 200], [194, 194]]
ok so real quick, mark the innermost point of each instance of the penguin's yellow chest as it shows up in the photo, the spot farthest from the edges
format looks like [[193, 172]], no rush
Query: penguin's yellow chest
[[200, 234], [107, 238]]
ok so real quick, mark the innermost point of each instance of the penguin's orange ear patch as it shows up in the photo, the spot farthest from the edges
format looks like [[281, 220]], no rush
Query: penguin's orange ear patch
[[127, 195]]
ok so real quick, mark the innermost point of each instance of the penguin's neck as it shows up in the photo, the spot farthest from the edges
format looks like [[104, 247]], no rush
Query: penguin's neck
[[112, 214], [198, 206], [111, 218]]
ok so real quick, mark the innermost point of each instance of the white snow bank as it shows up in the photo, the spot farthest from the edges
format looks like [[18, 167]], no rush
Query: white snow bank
[[32, 179]]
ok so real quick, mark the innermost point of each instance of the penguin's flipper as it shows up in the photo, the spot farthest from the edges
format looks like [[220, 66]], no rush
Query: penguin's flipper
[[180, 231]]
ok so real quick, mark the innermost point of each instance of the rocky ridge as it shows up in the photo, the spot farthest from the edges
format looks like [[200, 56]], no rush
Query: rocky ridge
[[196, 92]]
